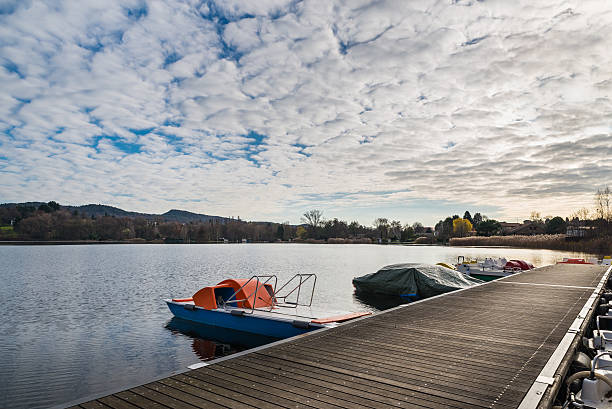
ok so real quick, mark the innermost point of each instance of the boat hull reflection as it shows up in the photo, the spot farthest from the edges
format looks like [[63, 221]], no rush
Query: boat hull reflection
[[213, 342], [381, 302]]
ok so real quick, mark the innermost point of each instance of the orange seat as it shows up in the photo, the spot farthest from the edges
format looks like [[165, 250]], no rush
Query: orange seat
[[207, 296]]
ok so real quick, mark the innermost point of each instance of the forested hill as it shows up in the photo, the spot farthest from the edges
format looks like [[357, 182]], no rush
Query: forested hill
[[98, 210]]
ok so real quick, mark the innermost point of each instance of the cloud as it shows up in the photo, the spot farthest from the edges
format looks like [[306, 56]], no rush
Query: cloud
[[266, 108]]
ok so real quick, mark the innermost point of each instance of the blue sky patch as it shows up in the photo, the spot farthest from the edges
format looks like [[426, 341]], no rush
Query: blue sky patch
[[128, 147], [137, 13], [122, 145], [93, 47], [474, 41], [144, 131], [301, 147], [10, 66], [171, 58], [255, 139]]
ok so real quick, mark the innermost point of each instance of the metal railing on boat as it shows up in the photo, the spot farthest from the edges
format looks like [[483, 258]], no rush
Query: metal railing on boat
[[261, 280]]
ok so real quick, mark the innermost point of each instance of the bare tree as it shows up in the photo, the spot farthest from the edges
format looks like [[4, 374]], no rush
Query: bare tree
[[381, 224], [602, 204], [395, 229], [535, 217], [603, 210], [581, 214], [418, 227], [313, 219]]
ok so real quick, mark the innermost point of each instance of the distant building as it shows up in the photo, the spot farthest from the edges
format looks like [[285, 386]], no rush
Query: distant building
[[577, 230], [508, 227], [527, 228]]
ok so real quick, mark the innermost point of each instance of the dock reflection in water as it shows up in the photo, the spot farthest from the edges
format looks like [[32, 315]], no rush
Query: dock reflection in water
[[213, 342]]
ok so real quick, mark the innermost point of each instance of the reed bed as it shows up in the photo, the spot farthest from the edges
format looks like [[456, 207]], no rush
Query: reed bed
[[339, 240], [600, 245]]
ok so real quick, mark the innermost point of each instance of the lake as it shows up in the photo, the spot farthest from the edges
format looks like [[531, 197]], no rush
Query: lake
[[80, 321]]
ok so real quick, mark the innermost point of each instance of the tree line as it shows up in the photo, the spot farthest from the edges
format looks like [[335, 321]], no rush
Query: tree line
[[50, 221], [599, 219], [314, 226]]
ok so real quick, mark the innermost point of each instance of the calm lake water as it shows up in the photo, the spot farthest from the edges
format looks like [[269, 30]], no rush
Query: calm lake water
[[79, 321]]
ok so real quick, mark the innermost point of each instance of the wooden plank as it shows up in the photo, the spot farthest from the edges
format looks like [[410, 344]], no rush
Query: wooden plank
[[117, 403], [312, 385], [93, 405], [277, 388], [433, 382], [418, 386], [216, 397], [255, 390], [232, 396], [359, 385], [182, 395], [468, 358], [447, 366], [326, 383], [147, 392], [138, 400]]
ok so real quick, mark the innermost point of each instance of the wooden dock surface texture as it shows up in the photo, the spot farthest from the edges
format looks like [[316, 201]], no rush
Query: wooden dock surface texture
[[478, 348]]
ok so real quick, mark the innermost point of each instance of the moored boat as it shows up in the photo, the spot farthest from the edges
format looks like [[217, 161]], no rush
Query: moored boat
[[255, 305], [491, 268], [605, 261], [412, 281]]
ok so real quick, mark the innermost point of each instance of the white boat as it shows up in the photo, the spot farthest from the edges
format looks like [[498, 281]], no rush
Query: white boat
[[491, 268]]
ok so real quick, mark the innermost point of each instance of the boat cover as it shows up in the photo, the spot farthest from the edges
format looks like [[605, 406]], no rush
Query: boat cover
[[413, 280]]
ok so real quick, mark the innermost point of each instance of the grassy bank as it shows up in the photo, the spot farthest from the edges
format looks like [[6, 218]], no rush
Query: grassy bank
[[601, 246]]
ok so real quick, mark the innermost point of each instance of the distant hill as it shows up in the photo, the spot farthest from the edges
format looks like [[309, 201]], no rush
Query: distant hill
[[174, 215], [183, 216]]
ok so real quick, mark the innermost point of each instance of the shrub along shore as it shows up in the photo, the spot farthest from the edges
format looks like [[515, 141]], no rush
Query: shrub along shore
[[600, 245]]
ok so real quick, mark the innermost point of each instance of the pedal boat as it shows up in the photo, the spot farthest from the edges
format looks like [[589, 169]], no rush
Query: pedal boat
[[254, 305], [491, 269]]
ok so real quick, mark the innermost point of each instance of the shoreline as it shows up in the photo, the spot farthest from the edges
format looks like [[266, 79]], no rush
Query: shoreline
[[144, 242]]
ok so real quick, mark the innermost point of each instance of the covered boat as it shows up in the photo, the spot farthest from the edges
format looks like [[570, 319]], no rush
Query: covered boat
[[413, 280], [255, 305]]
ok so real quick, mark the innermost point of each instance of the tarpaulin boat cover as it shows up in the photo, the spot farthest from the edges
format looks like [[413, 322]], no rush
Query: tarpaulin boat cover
[[412, 279]]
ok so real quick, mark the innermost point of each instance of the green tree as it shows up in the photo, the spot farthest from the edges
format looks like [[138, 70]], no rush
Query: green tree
[[280, 232], [407, 233], [555, 225], [355, 229], [488, 227], [468, 216]]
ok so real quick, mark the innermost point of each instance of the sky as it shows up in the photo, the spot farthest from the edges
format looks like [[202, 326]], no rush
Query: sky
[[264, 109]]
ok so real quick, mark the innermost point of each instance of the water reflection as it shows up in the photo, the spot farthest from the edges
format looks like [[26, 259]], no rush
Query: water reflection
[[379, 302], [210, 342]]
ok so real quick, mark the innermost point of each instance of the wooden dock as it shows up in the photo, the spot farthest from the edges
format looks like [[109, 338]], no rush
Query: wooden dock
[[499, 345]]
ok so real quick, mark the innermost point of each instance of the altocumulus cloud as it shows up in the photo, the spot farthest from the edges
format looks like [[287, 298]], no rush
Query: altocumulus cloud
[[265, 108]]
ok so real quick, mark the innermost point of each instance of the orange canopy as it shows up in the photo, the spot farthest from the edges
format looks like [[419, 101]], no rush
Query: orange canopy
[[253, 294]]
